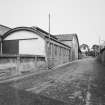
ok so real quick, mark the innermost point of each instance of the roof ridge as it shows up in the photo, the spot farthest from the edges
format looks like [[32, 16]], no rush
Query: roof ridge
[[4, 26], [67, 34]]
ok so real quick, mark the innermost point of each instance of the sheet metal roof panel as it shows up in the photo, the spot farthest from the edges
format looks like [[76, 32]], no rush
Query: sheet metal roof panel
[[36, 30], [4, 29], [65, 37]]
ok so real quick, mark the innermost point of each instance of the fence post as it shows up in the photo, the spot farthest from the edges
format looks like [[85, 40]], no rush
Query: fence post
[[18, 65], [36, 67]]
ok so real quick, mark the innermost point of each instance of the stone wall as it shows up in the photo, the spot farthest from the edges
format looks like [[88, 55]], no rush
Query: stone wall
[[15, 65]]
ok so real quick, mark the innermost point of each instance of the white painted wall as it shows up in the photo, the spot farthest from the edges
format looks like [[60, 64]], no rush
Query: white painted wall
[[30, 46], [84, 50], [34, 47], [75, 48], [69, 43]]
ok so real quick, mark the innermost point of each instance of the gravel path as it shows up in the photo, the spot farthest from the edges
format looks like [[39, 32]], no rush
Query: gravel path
[[79, 83]]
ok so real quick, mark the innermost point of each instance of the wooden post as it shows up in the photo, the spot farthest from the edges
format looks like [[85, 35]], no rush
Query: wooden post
[[18, 65], [36, 67], [1, 45]]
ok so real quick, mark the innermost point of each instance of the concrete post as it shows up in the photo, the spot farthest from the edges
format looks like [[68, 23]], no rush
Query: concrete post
[[36, 66], [18, 65]]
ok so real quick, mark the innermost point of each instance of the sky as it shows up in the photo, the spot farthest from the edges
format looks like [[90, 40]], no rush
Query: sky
[[84, 17]]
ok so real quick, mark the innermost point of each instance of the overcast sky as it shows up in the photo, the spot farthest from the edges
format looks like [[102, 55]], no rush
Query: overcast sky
[[84, 17]]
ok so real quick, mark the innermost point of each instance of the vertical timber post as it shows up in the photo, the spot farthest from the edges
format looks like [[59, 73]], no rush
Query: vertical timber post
[[18, 65], [36, 67], [1, 45]]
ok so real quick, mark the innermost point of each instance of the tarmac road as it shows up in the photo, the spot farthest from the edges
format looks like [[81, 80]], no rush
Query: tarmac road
[[78, 83]]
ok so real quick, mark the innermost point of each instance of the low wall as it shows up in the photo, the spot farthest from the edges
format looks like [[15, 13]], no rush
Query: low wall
[[53, 62], [101, 56], [14, 65]]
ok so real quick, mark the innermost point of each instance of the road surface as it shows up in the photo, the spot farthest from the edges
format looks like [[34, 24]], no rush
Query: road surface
[[78, 83]]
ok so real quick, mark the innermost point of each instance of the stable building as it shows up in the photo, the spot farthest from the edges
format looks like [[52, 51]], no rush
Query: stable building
[[31, 44], [23, 41], [72, 41]]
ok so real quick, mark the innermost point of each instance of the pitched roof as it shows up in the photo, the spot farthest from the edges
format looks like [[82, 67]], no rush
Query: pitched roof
[[41, 30], [37, 30], [63, 37], [33, 29], [68, 37], [3, 29], [84, 46]]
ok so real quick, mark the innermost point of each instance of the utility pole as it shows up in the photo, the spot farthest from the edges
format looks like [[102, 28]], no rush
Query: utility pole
[[99, 44], [49, 28], [49, 42]]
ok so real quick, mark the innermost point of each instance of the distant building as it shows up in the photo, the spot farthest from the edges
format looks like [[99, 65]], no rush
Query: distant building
[[72, 41], [84, 48], [3, 30]]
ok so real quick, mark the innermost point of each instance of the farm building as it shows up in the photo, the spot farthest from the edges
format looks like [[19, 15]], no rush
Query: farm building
[[84, 49], [32, 44], [72, 41]]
